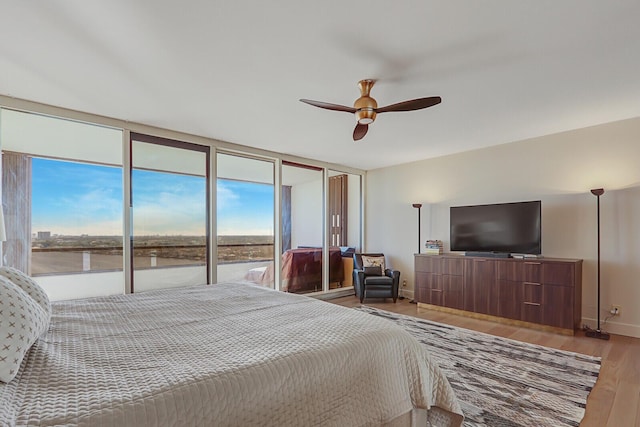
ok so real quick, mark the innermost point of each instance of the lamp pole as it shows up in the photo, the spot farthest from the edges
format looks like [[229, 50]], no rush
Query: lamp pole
[[598, 333], [418, 205]]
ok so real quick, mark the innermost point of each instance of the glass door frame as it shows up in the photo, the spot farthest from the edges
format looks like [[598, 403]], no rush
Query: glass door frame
[[167, 142], [277, 220]]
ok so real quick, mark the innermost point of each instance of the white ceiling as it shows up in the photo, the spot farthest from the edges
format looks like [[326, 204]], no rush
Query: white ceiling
[[234, 70]]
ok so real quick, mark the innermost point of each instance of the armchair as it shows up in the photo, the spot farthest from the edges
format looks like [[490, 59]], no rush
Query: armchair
[[372, 279]]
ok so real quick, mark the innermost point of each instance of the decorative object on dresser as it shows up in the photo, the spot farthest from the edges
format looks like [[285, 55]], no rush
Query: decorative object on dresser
[[372, 279], [598, 333], [543, 293], [502, 382], [433, 247], [418, 206]]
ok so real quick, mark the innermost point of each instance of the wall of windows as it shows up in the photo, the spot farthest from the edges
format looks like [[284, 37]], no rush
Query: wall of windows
[[96, 210], [62, 200]]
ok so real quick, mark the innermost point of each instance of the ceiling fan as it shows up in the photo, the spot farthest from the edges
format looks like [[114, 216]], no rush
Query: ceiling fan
[[366, 108]]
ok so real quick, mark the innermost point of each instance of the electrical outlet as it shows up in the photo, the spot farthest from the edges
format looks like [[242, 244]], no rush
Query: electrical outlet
[[615, 310], [404, 283]]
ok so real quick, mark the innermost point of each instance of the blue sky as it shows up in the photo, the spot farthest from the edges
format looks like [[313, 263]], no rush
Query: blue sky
[[75, 198]]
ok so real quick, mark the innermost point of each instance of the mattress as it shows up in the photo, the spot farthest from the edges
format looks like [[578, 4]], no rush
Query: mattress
[[229, 354]]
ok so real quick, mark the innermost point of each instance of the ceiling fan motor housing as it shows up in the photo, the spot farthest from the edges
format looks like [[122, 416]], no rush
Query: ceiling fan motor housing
[[365, 110], [365, 105]]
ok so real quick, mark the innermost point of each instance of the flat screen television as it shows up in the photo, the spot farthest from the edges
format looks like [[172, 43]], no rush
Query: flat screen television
[[497, 228]]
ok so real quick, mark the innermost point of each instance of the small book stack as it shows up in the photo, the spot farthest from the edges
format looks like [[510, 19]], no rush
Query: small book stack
[[433, 247]]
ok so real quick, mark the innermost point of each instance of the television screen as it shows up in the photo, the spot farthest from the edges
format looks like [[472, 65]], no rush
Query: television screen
[[504, 227]]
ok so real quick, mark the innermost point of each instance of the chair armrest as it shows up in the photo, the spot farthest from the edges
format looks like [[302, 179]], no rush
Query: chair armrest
[[358, 276], [394, 274], [358, 283]]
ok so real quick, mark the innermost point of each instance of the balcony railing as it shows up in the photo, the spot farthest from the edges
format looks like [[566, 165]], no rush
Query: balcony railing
[[77, 259]]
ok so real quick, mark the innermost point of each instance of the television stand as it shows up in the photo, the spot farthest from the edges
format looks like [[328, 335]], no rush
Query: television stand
[[544, 293], [489, 254]]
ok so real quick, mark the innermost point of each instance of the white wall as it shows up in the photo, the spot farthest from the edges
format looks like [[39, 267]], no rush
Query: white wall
[[558, 169]]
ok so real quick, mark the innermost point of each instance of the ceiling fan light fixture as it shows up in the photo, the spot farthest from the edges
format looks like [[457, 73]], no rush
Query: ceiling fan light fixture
[[365, 116]]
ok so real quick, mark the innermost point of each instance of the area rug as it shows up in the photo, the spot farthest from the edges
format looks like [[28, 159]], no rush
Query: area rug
[[502, 382]]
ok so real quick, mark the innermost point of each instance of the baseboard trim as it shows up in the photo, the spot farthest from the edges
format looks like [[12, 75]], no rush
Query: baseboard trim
[[616, 328], [406, 293], [501, 320]]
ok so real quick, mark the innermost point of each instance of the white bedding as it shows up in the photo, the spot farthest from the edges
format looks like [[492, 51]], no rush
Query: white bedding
[[225, 355]]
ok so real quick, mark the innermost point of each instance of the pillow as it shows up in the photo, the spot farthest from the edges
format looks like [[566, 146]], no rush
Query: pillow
[[373, 261], [29, 286], [373, 271], [22, 321]]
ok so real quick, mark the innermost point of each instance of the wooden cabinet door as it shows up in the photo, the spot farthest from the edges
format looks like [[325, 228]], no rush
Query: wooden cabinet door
[[422, 290], [453, 295], [558, 306], [559, 273], [509, 270], [427, 263], [480, 286], [510, 299]]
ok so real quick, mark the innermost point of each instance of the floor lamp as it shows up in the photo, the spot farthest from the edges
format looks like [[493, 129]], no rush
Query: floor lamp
[[418, 205], [598, 333]]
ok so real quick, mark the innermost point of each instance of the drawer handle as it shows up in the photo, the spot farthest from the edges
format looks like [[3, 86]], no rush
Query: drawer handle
[[532, 303], [533, 263], [532, 283], [436, 290]]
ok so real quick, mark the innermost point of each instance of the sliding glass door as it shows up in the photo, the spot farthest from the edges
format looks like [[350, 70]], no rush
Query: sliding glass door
[[302, 229], [169, 210], [245, 219]]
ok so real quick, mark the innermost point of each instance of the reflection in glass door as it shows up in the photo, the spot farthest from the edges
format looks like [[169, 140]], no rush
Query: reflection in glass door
[[344, 203], [302, 231], [169, 205]]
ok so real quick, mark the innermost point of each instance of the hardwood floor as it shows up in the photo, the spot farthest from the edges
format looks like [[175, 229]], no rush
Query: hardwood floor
[[615, 399]]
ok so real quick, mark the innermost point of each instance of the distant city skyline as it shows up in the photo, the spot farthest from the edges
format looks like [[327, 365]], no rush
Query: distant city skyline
[[70, 198]]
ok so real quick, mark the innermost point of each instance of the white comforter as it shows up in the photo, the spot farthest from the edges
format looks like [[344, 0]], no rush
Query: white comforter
[[224, 355]]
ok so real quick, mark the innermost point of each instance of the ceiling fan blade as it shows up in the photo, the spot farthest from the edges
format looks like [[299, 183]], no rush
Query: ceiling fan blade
[[414, 104], [328, 106], [360, 131]]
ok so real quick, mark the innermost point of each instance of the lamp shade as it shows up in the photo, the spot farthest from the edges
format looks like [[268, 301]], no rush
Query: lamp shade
[[3, 232]]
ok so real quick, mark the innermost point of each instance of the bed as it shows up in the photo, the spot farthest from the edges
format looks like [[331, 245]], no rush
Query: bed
[[230, 354], [301, 270]]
